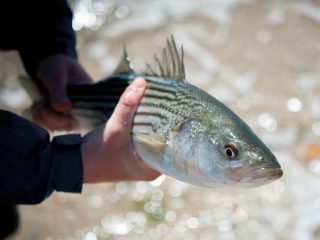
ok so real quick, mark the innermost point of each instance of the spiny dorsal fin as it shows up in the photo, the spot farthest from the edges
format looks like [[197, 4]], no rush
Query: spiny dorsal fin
[[124, 65], [171, 64]]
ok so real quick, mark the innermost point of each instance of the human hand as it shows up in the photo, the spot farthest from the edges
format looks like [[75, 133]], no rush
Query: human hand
[[107, 151], [56, 72], [45, 116]]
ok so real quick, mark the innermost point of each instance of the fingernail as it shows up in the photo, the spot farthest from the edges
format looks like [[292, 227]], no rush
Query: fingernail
[[138, 83], [137, 86], [130, 95]]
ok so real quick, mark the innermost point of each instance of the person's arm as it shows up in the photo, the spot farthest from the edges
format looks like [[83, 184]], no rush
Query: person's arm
[[46, 45], [45, 28], [32, 167]]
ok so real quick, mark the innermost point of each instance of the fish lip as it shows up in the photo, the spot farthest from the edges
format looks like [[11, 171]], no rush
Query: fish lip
[[261, 173], [267, 172]]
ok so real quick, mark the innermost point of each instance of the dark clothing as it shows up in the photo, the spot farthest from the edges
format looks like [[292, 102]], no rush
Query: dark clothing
[[31, 167], [9, 220], [36, 28]]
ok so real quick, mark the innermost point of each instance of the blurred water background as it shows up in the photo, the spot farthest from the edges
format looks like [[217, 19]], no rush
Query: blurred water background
[[260, 58]]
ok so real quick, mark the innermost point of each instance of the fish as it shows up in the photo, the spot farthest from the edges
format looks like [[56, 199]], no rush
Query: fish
[[179, 129]]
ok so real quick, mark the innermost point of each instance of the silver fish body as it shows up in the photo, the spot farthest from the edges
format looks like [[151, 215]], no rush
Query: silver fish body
[[182, 131], [179, 129]]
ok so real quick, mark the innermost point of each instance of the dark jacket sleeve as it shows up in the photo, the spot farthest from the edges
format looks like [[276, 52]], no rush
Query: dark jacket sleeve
[[32, 167], [37, 28]]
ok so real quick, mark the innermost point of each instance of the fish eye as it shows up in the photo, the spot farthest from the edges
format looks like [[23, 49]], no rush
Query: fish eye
[[230, 150]]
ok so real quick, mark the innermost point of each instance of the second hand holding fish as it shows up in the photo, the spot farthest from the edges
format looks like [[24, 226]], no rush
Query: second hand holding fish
[[56, 72]]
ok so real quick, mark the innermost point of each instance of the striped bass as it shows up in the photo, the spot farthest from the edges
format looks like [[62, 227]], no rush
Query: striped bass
[[179, 129]]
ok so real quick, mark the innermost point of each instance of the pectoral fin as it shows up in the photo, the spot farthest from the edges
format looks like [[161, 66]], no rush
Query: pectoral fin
[[152, 143]]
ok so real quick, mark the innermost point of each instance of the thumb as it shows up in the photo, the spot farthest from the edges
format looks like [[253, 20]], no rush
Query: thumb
[[58, 97], [124, 112]]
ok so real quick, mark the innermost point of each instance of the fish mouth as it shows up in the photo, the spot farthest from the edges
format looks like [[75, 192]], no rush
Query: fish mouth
[[256, 175]]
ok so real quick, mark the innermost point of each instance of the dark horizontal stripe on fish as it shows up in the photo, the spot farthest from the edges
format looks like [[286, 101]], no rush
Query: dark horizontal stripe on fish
[[160, 106], [160, 115], [187, 102], [161, 88], [154, 96], [148, 124], [95, 105], [183, 95], [110, 88], [95, 98], [155, 114], [96, 91], [103, 84]]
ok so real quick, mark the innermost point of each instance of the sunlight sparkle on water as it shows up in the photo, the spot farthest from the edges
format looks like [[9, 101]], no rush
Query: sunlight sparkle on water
[[193, 222], [122, 12], [224, 225], [116, 224], [171, 216], [121, 188], [267, 122], [316, 128], [294, 105], [90, 236], [95, 201], [314, 166]]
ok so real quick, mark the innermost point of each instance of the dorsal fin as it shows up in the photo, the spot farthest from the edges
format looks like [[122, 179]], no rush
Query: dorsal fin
[[124, 65], [171, 64]]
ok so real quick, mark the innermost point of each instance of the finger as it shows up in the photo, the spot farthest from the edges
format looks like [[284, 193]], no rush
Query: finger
[[124, 112], [43, 116], [58, 97], [80, 76]]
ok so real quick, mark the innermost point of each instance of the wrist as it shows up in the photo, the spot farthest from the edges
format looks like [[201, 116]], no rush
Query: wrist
[[67, 164], [93, 171]]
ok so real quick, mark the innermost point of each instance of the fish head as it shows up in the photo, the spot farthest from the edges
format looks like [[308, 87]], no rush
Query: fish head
[[229, 154], [245, 160]]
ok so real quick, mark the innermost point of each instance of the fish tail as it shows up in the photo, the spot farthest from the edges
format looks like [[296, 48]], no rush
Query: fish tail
[[99, 99]]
